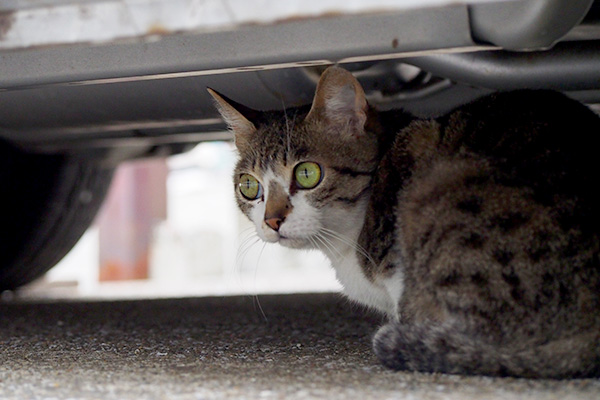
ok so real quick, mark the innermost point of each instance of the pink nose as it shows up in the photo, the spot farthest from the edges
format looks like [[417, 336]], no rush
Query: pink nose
[[274, 223]]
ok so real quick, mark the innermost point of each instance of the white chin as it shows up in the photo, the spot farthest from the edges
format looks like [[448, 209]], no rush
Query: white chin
[[294, 243]]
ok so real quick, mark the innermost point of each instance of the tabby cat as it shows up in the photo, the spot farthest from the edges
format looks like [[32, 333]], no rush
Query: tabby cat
[[476, 233]]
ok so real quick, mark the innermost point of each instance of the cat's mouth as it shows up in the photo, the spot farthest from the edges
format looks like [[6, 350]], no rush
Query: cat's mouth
[[276, 237], [291, 239]]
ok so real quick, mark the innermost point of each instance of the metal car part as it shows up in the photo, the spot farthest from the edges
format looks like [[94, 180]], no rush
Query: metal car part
[[569, 66], [139, 87], [526, 25]]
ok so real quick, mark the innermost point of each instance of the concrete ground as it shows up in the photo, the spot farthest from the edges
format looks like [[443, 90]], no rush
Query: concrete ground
[[290, 347]]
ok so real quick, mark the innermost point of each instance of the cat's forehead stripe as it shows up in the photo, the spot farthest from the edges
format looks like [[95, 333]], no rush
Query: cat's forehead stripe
[[271, 177]]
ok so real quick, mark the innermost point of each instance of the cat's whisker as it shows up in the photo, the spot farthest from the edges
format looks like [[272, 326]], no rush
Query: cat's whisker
[[288, 127], [246, 236], [349, 242], [259, 306], [315, 243], [247, 243], [329, 246], [246, 230], [342, 238], [264, 246], [255, 295], [320, 244], [250, 236], [243, 250]]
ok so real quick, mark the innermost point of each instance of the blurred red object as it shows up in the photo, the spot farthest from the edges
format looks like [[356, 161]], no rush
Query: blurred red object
[[136, 202]]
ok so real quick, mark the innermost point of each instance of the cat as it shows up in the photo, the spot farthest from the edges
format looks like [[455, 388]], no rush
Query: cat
[[475, 233]]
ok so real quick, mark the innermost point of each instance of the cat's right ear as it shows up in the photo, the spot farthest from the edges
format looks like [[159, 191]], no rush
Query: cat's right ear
[[236, 116], [340, 101]]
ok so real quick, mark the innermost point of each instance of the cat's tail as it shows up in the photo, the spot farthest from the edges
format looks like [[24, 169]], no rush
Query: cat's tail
[[445, 349]]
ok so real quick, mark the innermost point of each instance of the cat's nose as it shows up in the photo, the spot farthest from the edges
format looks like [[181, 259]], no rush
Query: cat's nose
[[274, 223], [278, 206]]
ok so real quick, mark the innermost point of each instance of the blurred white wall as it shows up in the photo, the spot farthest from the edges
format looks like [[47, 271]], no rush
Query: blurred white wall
[[204, 247]]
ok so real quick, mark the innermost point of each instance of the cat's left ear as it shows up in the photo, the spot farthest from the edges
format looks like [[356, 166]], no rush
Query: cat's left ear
[[340, 101], [236, 116]]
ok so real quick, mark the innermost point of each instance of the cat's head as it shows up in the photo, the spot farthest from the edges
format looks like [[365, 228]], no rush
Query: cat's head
[[303, 174]]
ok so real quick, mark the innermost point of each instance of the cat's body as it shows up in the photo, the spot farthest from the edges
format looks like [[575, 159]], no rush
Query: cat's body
[[476, 234]]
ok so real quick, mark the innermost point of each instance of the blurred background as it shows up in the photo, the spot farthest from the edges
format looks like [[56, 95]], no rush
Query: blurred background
[[169, 228]]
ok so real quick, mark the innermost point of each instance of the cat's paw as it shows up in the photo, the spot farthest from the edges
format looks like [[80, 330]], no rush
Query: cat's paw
[[388, 345]]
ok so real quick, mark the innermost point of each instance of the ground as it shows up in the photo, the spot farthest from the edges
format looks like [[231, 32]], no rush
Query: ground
[[274, 347]]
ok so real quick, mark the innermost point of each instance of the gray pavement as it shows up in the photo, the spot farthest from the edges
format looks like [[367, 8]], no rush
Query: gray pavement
[[309, 346]]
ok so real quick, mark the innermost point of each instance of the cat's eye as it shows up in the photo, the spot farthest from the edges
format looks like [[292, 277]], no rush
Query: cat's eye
[[307, 175], [250, 187]]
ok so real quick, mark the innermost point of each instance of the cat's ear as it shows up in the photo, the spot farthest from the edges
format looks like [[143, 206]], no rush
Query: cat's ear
[[340, 100], [236, 116]]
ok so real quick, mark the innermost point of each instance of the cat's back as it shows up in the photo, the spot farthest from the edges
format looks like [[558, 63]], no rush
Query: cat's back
[[538, 143], [541, 139]]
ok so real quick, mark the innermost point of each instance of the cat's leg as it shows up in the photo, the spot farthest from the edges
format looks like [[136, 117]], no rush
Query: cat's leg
[[448, 348], [432, 348]]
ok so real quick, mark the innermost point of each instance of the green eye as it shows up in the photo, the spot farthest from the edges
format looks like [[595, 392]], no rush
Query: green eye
[[307, 174], [249, 187]]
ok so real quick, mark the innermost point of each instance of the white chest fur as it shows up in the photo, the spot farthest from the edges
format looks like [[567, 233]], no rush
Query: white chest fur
[[360, 289]]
